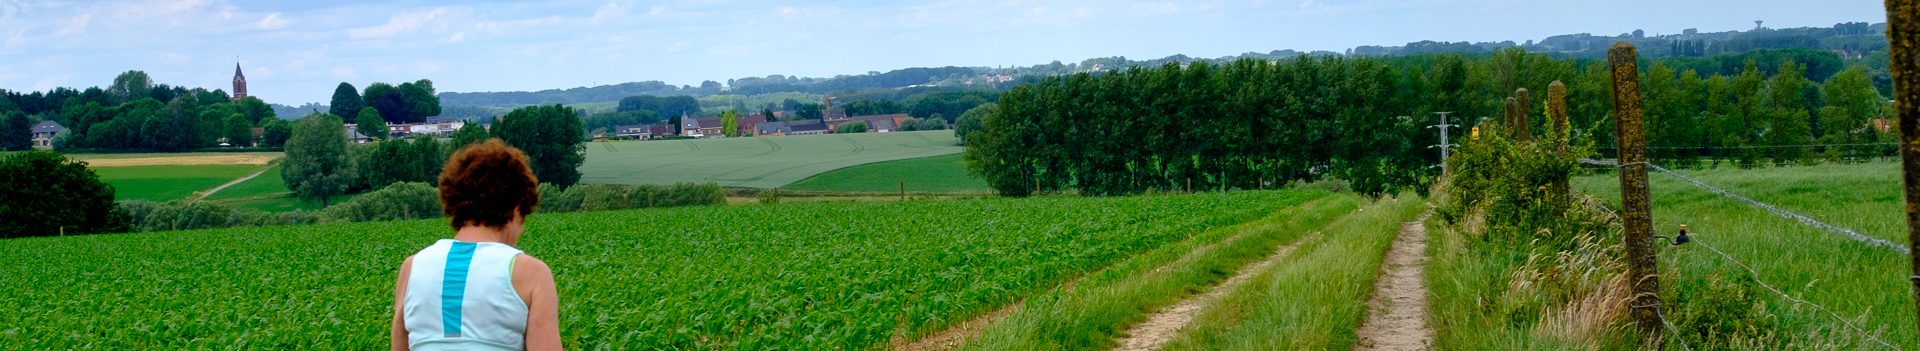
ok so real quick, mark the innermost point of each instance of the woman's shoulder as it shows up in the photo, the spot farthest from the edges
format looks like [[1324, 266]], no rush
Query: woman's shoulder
[[526, 266]]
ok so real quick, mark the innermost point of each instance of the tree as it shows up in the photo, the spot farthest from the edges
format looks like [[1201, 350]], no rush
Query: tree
[[420, 100], [239, 131], [809, 111], [17, 133], [317, 166], [467, 135], [42, 193], [970, 122], [346, 101], [256, 110], [852, 127], [768, 113], [730, 123], [129, 86], [936, 122], [1851, 104], [551, 137], [370, 124], [387, 99], [274, 132]]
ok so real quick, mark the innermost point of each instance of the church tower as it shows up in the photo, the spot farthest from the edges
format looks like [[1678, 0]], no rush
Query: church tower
[[239, 83]]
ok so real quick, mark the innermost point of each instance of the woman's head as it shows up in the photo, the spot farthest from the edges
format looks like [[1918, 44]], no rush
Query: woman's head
[[489, 184]]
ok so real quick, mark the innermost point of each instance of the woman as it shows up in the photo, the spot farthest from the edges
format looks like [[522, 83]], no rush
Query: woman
[[476, 291]]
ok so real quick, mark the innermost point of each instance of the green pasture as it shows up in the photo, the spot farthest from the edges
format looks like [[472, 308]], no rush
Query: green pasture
[[164, 183], [754, 162], [937, 174], [1715, 303]]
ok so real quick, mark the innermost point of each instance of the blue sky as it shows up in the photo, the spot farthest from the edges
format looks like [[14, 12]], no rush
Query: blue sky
[[294, 52]]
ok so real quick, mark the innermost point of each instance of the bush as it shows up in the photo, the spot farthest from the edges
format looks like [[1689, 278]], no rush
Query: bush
[[693, 194], [404, 200], [43, 192], [180, 215], [597, 197], [554, 199]]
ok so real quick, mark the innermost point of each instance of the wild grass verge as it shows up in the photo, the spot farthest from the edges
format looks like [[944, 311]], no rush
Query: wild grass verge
[[1313, 299], [1089, 314]]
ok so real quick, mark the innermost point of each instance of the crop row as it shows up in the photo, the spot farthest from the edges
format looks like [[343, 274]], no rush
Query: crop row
[[791, 276]]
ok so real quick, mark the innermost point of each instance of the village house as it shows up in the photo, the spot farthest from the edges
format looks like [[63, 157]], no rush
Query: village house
[[875, 123], [701, 127], [643, 131], [44, 132]]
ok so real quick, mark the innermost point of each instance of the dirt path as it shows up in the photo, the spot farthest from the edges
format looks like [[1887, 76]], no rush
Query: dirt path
[[1397, 313], [1164, 324], [209, 192]]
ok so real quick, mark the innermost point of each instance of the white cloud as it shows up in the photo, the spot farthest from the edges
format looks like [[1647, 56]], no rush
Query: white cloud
[[272, 21], [610, 11], [76, 25], [400, 24]]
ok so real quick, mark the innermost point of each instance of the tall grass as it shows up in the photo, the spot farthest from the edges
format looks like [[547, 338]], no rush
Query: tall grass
[[1089, 315], [1714, 303], [1313, 299]]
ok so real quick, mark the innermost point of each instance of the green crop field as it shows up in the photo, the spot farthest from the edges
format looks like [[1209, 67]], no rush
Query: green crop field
[[937, 174], [267, 192], [1711, 295], [790, 276], [755, 162], [163, 183]]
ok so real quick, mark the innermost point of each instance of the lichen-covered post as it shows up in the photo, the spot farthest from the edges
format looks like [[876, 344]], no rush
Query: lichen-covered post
[[1557, 111], [1635, 212], [1523, 117], [1903, 42]]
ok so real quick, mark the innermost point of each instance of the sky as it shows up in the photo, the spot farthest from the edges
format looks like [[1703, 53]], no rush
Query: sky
[[296, 52]]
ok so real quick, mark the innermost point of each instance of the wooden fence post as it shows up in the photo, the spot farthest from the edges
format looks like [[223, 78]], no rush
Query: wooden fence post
[[1903, 42], [1557, 110], [1508, 122], [1636, 215], [1522, 116]]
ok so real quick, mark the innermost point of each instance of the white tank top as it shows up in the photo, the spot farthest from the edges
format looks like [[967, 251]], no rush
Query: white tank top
[[460, 297]]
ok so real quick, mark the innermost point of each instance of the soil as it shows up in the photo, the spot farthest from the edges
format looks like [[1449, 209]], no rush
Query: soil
[[1397, 313]]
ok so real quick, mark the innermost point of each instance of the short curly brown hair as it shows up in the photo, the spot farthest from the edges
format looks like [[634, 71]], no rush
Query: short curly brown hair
[[484, 182]]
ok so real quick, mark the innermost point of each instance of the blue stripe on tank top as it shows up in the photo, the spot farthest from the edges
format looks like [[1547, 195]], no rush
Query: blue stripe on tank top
[[453, 286]]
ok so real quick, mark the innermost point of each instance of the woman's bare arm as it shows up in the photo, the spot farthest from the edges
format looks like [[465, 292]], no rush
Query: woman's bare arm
[[398, 338], [534, 281]]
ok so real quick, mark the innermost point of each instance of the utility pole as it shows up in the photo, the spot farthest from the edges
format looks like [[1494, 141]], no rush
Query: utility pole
[[1443, 140]]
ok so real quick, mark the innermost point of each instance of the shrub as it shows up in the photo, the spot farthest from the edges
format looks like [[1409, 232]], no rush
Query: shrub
[[42, 192], [692, 194], [180, 215], [597, 197], [554, 199], [404, 200]]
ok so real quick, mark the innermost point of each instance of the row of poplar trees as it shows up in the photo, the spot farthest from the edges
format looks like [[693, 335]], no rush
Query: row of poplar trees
[[1251, 123]]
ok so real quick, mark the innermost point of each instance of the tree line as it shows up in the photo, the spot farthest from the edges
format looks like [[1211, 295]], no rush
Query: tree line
[[1265, 123], [134, 113], [321, 164]]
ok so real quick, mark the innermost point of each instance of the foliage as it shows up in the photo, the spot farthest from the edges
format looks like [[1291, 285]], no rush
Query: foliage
[[552, 139], [409, 102], [468, 134], [370, 124], [852, 127], [972, 121], [238, 131], [1227, 127], [318, 166], [730, 123], [396, 201], [669, 107], [394, 161], [346, 102], [16, 132], [275, 132], [42, 192], [611, 120]]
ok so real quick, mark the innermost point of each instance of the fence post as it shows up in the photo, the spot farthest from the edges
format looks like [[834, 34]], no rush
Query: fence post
[[1637, 218], [1903, 43], [1557, 110], [1522, 117], [1508, 121]]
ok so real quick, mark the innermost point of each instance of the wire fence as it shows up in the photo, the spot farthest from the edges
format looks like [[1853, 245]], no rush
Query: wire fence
[[1755, 146], [1848, 323]]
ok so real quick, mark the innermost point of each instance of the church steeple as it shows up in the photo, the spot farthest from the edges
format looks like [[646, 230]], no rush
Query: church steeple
[[239, 83]]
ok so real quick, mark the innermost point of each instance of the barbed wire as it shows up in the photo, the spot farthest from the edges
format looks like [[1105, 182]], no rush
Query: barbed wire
[[1749, 146], [1756, 279], [1671, 330], [1803, 219]]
